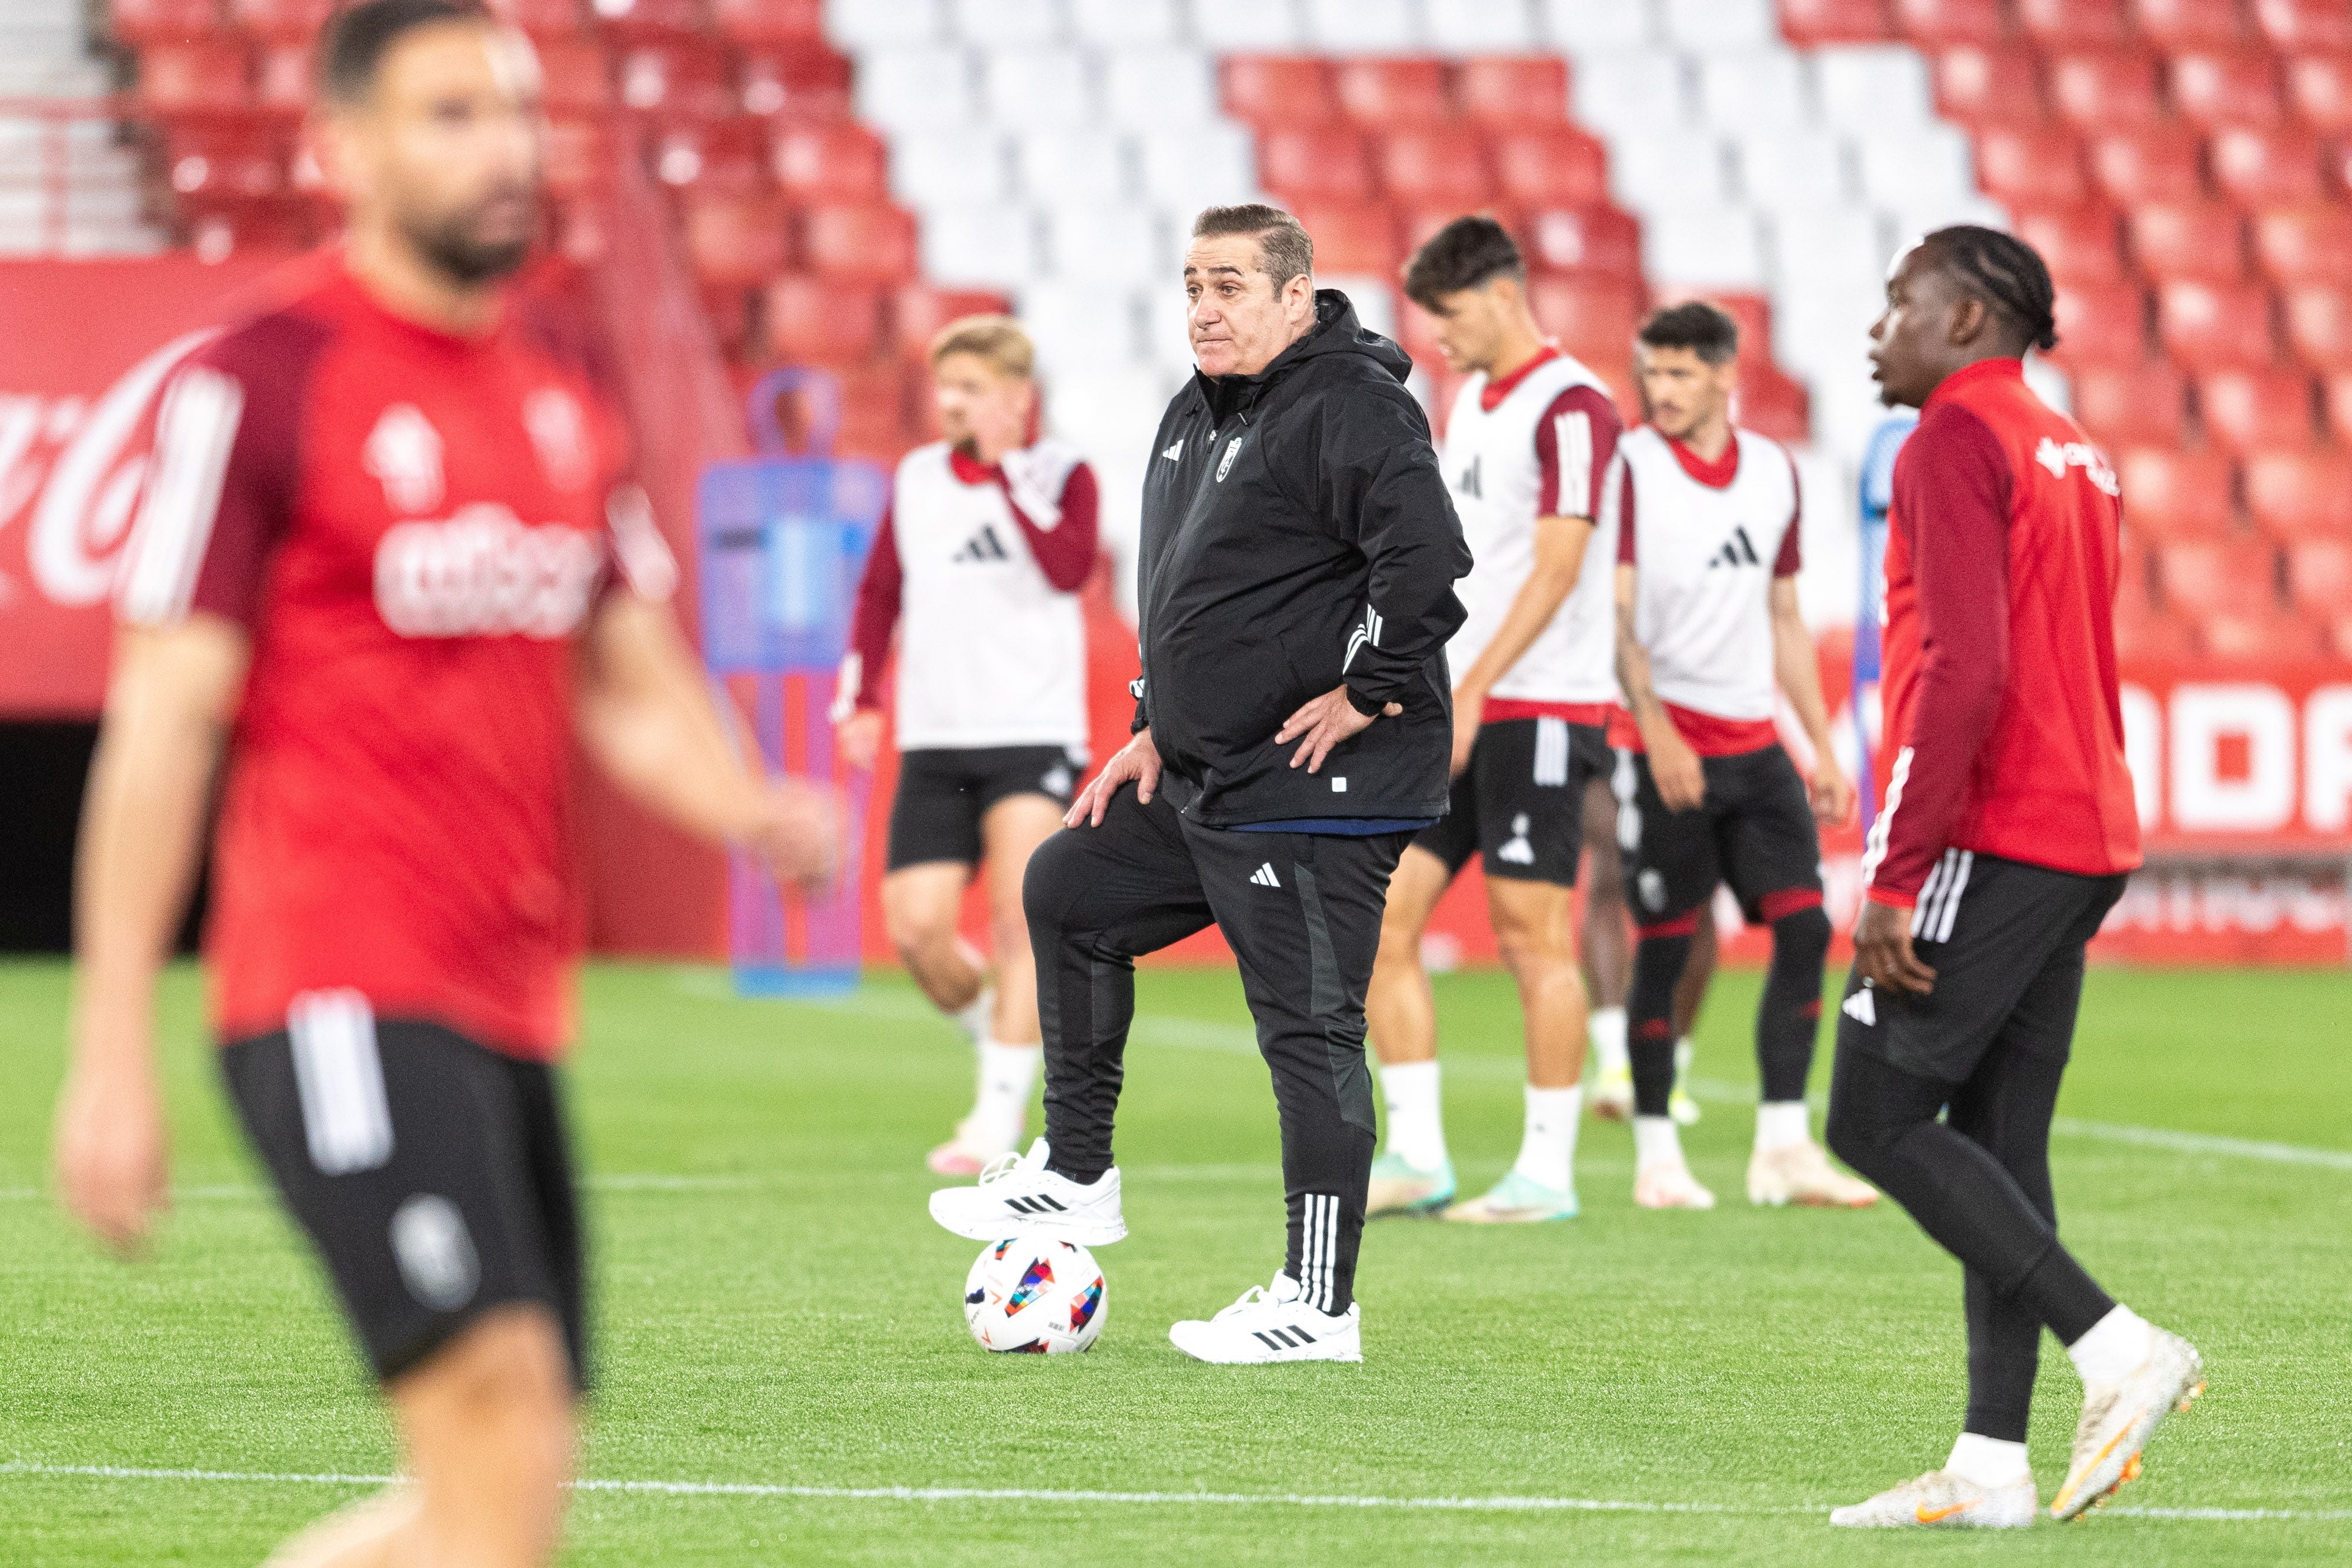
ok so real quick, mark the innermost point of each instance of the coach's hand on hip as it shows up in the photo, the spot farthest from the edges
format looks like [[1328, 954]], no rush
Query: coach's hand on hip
[[1138, 759], [1326, 722], [1882, 951]]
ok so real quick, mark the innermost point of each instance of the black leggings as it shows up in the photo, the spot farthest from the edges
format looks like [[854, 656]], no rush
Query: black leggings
[[1787, 1019]]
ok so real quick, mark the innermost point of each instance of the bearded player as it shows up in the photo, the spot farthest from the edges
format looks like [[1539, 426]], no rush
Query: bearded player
[[977, 566], [1705, 517], [388, 569], [1530, 435], [2010, 829]]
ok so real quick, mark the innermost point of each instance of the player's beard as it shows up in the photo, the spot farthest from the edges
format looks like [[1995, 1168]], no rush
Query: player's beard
[[456, 248]]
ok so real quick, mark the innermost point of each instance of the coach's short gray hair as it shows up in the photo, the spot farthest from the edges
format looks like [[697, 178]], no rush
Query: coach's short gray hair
[[1284, 249]]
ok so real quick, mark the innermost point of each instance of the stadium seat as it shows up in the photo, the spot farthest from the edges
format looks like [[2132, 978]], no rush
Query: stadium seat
[[579, 156], [1753, 89], [1935, 22], [2207, 576], [1161, 88], [1514, 91], [1722, 248], [2208, 324], [2226, 87], [2189, 23], [731, 153], [2105, 89], [1557, 167], [2203, 240], [2319, 86], [2300, 489], [283, 21], [1478, 27], [2102, 324], [2319, 325], [2130, 405], [869, 241], [1979, 85], [1678, 170], [737, 239], [1328, 163], [1070, 167], [918, 311], [863, 24], [1799, 171], [925, 87], [213, 75], [1588, 311], [1581, 26], [2169, 493], [2074, 24], [1433, 164], [1031, 22], [822, 321], [1865, 88], [2295, 26], [1362, 27], [2335, 394], [1394, 93], [633, 21], [1037, 86], [2250, 411], [2305, 245], [2041, 167], [283, 75], [2079, 243], [1810, 22], [142, 22], [542, 19], [1708, 25], [2154, 638], [1230, 27], [1190, 169], [769, 21], [1419, 223], [2266, 167], [1752, 312], [1119, 244], [874, 415], [1354, 236], [829, 160], [2269, 639], [2319, 574], [576, 76], [215, 166], [1594, 239], [1773, 403], [1271, 90], [691, 76], [805, 80], [2151, 164]]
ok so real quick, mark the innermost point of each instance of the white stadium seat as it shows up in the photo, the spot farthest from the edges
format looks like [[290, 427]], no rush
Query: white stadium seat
[[1720, 24], [1763, 90], [924, 87], [1704, 248], [1848, 244], [1629, 93], [1118, 244], [1121, 22], [998, 23], [1365, 27], [949, 168], [1028, 87], [1582, 25], [1672, 170], [1079, 324], [1873, 87], [858, 26], [1911, 219], [988, 245], [1375, 298], [1480, 27], [1800, 169], [1214, 166], [1065, 168], [1247, 27], [1156, 87], [1926, 163]]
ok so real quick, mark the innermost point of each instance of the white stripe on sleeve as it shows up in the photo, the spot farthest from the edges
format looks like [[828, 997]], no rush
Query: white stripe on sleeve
[[1572, 441], [195, 434]]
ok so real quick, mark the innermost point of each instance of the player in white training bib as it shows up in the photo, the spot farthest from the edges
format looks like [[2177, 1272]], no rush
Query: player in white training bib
[[978, 565], [1530, 434]]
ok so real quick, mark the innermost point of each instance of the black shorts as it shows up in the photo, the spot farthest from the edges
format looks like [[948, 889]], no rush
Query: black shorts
[[2006, 942], [432, 1175], [1754, 830], [1519, 806], [944, 791]]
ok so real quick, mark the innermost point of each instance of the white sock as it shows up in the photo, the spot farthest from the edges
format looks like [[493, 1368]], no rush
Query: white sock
[[1606, 1028], [1007, 1074], [1547, 1147], [2115, 1348], [1779, 1124], [1655, 1142], [1416, 1123], [1987, 1461], [976, 1018]]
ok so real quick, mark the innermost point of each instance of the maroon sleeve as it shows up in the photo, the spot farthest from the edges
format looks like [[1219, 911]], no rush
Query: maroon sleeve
[[873, 620], [1066, 553], [1792, 559], [1955, 485], [1624, 479], [1575, 439]]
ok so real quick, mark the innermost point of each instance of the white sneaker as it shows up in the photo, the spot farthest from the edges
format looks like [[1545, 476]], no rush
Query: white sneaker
[[1802, 1174], [1944, 1501], [2119, 1418], [1018, 1195], [1272, 1324], [1669, 1184], [1610, 1093]]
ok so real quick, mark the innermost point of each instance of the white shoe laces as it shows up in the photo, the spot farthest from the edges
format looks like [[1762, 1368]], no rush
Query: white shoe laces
[[1256, 1296], [997, 1169]]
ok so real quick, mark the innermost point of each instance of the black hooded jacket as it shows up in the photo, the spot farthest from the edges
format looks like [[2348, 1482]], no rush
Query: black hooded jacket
[[1297, 533]]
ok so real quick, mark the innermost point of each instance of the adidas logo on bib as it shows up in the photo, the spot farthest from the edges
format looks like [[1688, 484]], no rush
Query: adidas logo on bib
[[983, 546], [1263, 876]]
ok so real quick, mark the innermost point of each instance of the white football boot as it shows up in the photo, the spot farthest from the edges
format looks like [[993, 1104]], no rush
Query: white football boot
[[2119, 1418], [965, 1155], [1802, 1174], [1610, 1094], [1942, 1500], [1668, 1184], [1271, 1323], [1017, 1196]]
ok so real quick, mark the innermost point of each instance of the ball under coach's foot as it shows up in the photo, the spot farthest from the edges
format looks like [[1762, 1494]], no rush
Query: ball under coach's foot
[[1018, 1195], [2119, 1419], [1802, 1174], [1942, 1499], [1271, 1323]]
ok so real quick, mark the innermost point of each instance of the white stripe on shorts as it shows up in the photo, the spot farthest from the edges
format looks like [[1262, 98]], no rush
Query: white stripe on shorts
[[338, 1075], [1551, 750], [1959, 885]]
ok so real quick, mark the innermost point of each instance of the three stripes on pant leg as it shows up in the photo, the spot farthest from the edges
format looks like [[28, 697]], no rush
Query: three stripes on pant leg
[[1318, 1249]]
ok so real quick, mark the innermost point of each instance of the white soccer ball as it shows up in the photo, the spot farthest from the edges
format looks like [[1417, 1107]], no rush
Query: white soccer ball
[[1034, 1294]]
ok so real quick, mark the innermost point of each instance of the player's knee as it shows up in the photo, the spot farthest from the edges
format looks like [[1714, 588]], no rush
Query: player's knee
[[1532, 953], [1800, 938], [1853, 1134], [1053, 879]]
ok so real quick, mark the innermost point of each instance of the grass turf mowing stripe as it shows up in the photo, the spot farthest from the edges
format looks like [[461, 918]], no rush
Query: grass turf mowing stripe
[[1130, 1499]]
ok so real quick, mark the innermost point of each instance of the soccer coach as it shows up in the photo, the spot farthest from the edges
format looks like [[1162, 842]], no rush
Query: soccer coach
[[1292, 733]]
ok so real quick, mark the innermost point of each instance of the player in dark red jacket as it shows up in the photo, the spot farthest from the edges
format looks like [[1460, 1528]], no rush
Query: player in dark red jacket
[[2009, 830]]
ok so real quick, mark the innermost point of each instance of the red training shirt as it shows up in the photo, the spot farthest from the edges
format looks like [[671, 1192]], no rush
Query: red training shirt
[[1999, 689], [410, 525]]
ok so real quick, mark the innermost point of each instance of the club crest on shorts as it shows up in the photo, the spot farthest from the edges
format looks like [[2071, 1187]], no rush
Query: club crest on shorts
[[435, 1252], [1226, 463]]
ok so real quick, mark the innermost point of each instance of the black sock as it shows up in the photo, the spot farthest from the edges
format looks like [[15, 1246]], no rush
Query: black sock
[[1791, 1015], [1658, 961]]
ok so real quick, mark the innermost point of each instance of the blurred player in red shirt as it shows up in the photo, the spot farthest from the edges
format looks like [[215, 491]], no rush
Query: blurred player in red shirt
[[388, 567], [2009, 831]]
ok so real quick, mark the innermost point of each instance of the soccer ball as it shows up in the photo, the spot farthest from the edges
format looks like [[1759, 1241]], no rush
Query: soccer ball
[[1034, 1294]]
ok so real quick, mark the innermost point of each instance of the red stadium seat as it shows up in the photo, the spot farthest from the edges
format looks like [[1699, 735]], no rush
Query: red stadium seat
[[1938, 22], [732, 153], [2226, 87], [295, 21], [1593, 239], [2272, 638], [2102, 324], [541, 19], [871, 241], [577, 75], [679, 76], [1420, 222], [2305, 245], [2153, 164], [1559, 167], [769, 21], [919, 312], [1280, 90], [2208, 324], [2036, 167], [2171, 494], [2299, 490], [1513, 90], [2319, 574], [1362, 237], [1395, 92], [2189, 239], [2266, 167], [829, 160], [1773, 404], [213, 76], [2079, 245], [736, 239], [2150, 638], [1588, 310], [2319, 326], [727, 309], [1978, 85], [2190, 24], [283, 76], [2208, 576], [1328, 163], [874, 413], [2250, 411], [2074, 24], [213, 166], [1445, 164], [2335, 390], [804, 79], [2131, 406], [633, 21], [578, 155], [2105, 89], [1806, 23], [163, 21], [2295, 26], [2319, 86], [820, 320]]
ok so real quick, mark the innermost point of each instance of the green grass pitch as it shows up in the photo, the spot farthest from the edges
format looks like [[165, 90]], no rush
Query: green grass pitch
[[776, 1311]]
